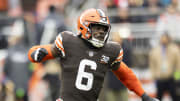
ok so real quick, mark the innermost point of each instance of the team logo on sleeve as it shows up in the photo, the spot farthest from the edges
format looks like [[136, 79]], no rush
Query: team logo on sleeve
[[104, 59]]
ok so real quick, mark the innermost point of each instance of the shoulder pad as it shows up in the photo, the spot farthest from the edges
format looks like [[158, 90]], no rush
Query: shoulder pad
[[69, 33]]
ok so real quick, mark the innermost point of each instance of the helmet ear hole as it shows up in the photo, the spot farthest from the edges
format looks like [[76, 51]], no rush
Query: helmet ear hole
[[81, 28]]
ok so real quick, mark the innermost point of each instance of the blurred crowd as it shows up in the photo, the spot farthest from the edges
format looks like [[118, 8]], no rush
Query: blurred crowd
[[148, 31]]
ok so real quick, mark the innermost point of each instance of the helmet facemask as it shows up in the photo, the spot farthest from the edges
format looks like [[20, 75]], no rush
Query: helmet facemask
[[99, 34]]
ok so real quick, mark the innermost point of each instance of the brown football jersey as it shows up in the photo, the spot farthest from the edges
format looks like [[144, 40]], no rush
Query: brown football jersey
[[84, 66]]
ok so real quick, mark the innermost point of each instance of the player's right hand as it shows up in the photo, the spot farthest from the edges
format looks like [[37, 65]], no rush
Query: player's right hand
[[39, 54]]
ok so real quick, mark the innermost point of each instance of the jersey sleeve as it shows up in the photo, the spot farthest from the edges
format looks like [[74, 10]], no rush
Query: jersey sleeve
[[129, 79], [59, 44], [117, 61]]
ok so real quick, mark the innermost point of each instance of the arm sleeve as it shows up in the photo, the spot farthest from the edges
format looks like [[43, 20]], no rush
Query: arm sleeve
[[48, 49], [128, 78]]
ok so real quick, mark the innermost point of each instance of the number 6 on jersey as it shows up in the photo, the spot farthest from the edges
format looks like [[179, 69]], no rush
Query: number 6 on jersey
[[82, 74]]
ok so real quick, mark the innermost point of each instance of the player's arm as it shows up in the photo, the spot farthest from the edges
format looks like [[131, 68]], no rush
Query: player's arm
[[128, 78], [42, 53]]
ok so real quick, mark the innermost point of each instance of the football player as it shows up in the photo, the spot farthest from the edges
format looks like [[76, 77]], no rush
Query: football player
[[86, 58]]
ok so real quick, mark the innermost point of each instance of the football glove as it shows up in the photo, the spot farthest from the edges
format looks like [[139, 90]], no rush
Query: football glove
[[39, 54], [145, 97]]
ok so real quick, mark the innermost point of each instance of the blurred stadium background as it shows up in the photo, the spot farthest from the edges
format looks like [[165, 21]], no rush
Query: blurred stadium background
[[24, 23]]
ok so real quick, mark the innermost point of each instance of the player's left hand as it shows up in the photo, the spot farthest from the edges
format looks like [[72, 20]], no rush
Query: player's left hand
[[145, 97]]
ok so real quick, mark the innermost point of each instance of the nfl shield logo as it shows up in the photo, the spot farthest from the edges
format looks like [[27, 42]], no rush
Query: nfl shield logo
[[91, 53], [104, 59]]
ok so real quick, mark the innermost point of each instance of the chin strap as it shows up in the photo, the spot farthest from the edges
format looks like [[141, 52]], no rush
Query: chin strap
[[95, 42]]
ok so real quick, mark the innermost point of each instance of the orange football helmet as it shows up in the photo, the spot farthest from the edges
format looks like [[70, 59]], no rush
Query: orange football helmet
[[89, 17]]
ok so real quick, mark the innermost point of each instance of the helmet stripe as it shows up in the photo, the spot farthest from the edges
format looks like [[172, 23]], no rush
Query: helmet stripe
[[101, 13]]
